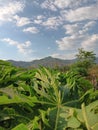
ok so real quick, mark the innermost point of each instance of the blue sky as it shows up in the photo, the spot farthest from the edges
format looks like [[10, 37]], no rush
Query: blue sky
[[34, 29]]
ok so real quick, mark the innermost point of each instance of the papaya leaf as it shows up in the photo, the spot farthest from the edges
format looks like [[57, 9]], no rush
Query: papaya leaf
[[21, 127]]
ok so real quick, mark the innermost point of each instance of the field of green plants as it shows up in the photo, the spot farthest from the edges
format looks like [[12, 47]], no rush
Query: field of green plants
[[46, 99]]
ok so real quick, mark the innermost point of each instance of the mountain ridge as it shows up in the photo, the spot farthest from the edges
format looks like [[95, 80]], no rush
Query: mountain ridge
[[47, 62]]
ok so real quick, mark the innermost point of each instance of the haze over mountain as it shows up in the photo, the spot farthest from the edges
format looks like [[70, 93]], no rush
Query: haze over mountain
[[47, 62]]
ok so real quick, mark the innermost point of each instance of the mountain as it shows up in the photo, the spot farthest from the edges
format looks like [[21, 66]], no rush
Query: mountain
[[47, 62], [20, 63]]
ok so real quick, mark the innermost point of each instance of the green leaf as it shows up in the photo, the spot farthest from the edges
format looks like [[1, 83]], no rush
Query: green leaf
[[92, 113], [89, 115], [95, 127], [20, 127], [73, 122], [1, 128], [43, 116], [34, 124], [58, 117], [6, 100]]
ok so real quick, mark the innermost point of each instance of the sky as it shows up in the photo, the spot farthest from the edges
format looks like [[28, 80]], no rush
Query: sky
[[34, 29]]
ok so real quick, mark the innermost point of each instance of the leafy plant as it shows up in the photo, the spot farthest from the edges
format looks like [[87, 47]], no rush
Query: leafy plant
[[85, 58], [45, 99]]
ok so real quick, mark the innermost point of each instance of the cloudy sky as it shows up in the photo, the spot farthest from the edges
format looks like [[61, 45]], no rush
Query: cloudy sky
[[34, 29]]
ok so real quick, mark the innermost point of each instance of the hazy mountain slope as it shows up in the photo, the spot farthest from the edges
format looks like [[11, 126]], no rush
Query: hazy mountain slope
[[47, 62]]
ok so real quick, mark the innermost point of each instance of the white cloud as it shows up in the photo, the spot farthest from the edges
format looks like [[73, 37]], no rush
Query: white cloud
[[78, 37], [73, 42], [80, 14], [24, 48], [48, 22], [49, 4], [11, 42], [33, 30], [63, 3], [39, 19], [21, 21], [91, 42], [87, 27], [40, 16], [52, 22], [70, 55], [90, 24], [70, 3], [53, 5], [8, 10], [70, 42], [79, 28], [72, 28]]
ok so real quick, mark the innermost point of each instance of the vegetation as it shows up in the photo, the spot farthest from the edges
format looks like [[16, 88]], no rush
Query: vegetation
[[47, 99], [86, 58]]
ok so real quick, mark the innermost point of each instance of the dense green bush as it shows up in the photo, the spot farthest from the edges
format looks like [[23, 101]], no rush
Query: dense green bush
[[44, 99]]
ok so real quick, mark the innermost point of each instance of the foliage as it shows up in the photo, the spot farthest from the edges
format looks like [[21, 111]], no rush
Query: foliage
[[85, 58], [46, 99], [93, 71]]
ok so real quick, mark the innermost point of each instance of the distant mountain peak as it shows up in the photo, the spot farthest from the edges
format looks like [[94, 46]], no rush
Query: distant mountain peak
[[47, 62]]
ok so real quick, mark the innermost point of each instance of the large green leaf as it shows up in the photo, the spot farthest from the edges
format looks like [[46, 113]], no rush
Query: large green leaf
[[88, 115], [52, 94], [60, 115], [41, 101], [73, 122]]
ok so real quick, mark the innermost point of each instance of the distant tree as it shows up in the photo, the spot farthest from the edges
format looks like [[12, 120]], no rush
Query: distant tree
[[85, 59]]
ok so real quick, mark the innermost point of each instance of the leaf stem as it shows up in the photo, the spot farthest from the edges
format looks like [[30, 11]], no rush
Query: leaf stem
[[85, 116]]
